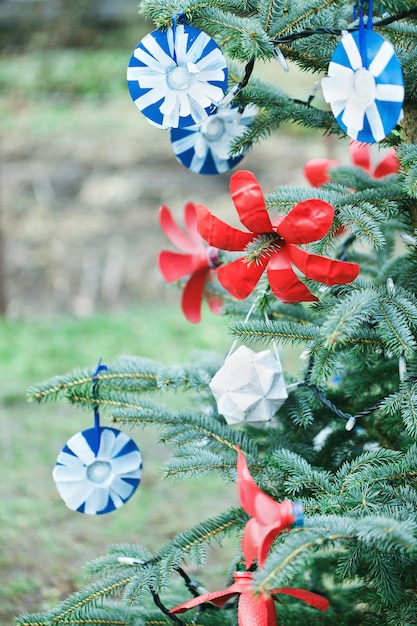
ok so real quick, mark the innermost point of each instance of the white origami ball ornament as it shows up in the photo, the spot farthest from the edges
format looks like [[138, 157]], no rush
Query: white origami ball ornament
[[250, 387]]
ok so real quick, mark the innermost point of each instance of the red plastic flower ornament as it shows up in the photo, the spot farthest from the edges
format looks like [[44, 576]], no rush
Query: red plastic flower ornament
[[253, 610], [268, 517], [271, 246], [316, 171], [197, 260]]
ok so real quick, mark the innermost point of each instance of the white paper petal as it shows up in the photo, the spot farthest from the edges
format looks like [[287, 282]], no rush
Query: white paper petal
[[375, 122], [352, 51], [381, 59]]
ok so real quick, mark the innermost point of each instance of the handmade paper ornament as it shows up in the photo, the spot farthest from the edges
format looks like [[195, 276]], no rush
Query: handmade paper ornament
[[268, 518], [98, 470], [365, 85], [272, 245], [177, 77], [249, 387], [197, 260], [205, 148]]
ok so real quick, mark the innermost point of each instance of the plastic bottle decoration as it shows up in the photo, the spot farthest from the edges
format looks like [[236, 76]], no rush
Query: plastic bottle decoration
[[365, 85], [249, 387], [177, 77], [197, 260], [257, 609], [268, 518], [316, 171], [272, 245], [205, 148], [98, 469], [253, 609]]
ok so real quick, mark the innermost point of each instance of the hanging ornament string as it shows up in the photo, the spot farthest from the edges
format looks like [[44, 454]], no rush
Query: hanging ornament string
[[238, 88], [100, 368], [310, 32], [177, 17]]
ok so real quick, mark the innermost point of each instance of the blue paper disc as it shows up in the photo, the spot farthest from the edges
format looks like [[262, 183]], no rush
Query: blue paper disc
[[98, 470], [176, 77], [205, 148], [365, 86]]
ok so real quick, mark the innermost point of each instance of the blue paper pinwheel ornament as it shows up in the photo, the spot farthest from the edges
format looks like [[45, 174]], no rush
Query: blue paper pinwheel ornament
[[205, 148], [365, 85], [177, 77], [98, 469]]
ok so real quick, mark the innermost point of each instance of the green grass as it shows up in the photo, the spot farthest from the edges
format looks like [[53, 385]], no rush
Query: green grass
[[42, 543]]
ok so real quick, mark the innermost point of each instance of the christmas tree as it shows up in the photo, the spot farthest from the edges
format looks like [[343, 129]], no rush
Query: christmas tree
[[331, 268]]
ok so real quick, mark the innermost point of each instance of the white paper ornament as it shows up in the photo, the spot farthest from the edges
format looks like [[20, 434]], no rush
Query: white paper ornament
[[249, 387], [365, 86], [98, 470], [176, 77]]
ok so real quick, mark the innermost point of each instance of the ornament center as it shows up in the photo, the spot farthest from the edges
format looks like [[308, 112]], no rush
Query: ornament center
[[99, 471], [364, 85], [178, 78], [214, 129]]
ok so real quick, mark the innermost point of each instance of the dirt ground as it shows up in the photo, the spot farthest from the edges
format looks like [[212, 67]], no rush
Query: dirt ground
[[81, 183]]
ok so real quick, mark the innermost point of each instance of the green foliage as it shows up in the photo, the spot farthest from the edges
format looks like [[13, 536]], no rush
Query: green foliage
[[345, 441]]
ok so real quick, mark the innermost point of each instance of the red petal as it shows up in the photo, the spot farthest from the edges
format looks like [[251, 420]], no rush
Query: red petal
[[192, 296], [174, 233], [174, 265], [251, 540], [190, 221], [317, 171], [240, 278], [217, 597], [219, 234], [256, 610], [388, 165], [283, 281], [327, 271], [215, 303], [307, 221], [360, 155], [247, 488], [313, 599], [248, 199]]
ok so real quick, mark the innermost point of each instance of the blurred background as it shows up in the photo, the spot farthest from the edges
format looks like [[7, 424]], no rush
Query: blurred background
[[82, 175]]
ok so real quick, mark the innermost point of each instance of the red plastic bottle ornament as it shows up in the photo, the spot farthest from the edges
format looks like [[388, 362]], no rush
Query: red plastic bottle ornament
[[317, 171], [268, 517], [253, 609], [307, 221], [365, 85], [197, 261]]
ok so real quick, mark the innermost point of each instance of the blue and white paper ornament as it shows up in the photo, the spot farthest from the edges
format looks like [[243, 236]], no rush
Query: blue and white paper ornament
[[205, 148], [98, 470], [365, 86], [177, 77]]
